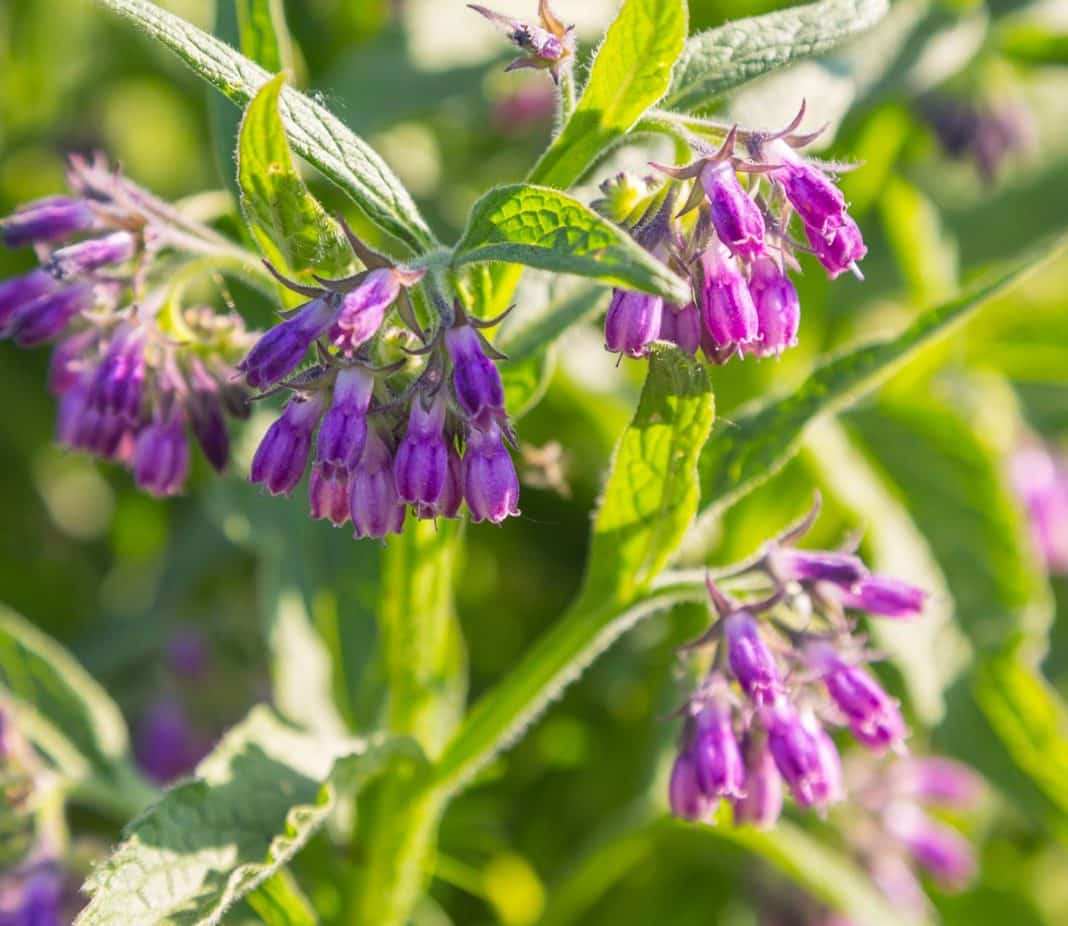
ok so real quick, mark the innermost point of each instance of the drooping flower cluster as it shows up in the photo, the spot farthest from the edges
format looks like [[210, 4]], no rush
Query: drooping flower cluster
[[732, 242], [985, 130], [892, 832], [431, 443], [548, 46], [131, 369], [1040, 478], [784, 669]]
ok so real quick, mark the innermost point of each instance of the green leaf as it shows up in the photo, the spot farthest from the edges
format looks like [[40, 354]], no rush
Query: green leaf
[[758, 442], [280, 902], [550, 230], [264, 34], [953, 483], [631, 72], [61, 709], [648, 502], [255, 801], [287, 222], [822, 871], [315, 133], [721, 59], [898, 547]]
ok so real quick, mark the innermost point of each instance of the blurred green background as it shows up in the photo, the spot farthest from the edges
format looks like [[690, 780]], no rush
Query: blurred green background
[[123, 580]]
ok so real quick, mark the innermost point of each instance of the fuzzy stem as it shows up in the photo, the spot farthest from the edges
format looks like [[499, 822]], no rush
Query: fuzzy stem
[[424, 662]]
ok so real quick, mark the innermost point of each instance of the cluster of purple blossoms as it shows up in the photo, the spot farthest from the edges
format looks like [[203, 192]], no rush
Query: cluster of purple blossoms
[[737, 251], [132, 373], [893, 834], [1040, 478], [430, 444], [783, 670]]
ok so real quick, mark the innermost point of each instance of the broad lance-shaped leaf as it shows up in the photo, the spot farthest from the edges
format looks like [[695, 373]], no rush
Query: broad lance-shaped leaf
[[953, 483], [264, 34], [287, 222], [550, 230], [716, 61], [631, 72], [648, 502], [255, 802], [315, 133], [758, 442], [59, 706]]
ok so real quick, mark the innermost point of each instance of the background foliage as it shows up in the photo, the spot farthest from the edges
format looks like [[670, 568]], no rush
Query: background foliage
[[565, 827]]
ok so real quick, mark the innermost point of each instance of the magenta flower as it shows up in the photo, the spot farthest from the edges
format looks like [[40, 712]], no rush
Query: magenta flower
[[724, 299], [735, 217], [161, 455], [282, 456], [280, 351], [491, 485], [750, 659], [720, 769], [681, 327], [684, 793], [421, 465], [374, 506], [632, 322], [778, 309], [761, 805], [362, 310]]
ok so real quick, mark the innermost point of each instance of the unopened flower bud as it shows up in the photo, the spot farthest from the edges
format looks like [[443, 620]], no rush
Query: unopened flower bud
[[93, 254], [161, 456], [750, 659], [491, 485], [884, 596], [329, 493], [778, 308], [344, 429], [838, 246], [363, 309], [46, 220], [939, 781], [632, 322], [842, 569], [814, 196], [874, 717], [373, 503], [66, 365], [941, 850], [762, 804], [684, 793], [283, 453], [475, 378], [720, 770], [280, 351], [208, 418], [19, 292], [118, 383], [681, 327], [452, 493], [47, 316], [805, 756], [421, 465], [1041, 482], [726, 304], [735, 216]]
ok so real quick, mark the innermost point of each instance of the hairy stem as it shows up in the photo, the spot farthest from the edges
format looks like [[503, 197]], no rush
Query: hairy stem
[[424, 661]]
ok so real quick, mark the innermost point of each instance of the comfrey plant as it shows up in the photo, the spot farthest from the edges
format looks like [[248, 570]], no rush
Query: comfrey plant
[[784, 668], [392, 386]]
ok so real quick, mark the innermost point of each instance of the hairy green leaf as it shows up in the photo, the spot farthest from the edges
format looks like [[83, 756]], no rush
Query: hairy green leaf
[[550, 230], [287, 222], [254, 803], [953, 484], [315, 133], [726, 57], [631, 72], [822, 871], [62, 710], [648, 502], [756, 443], [264, 35], [280, 902]]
